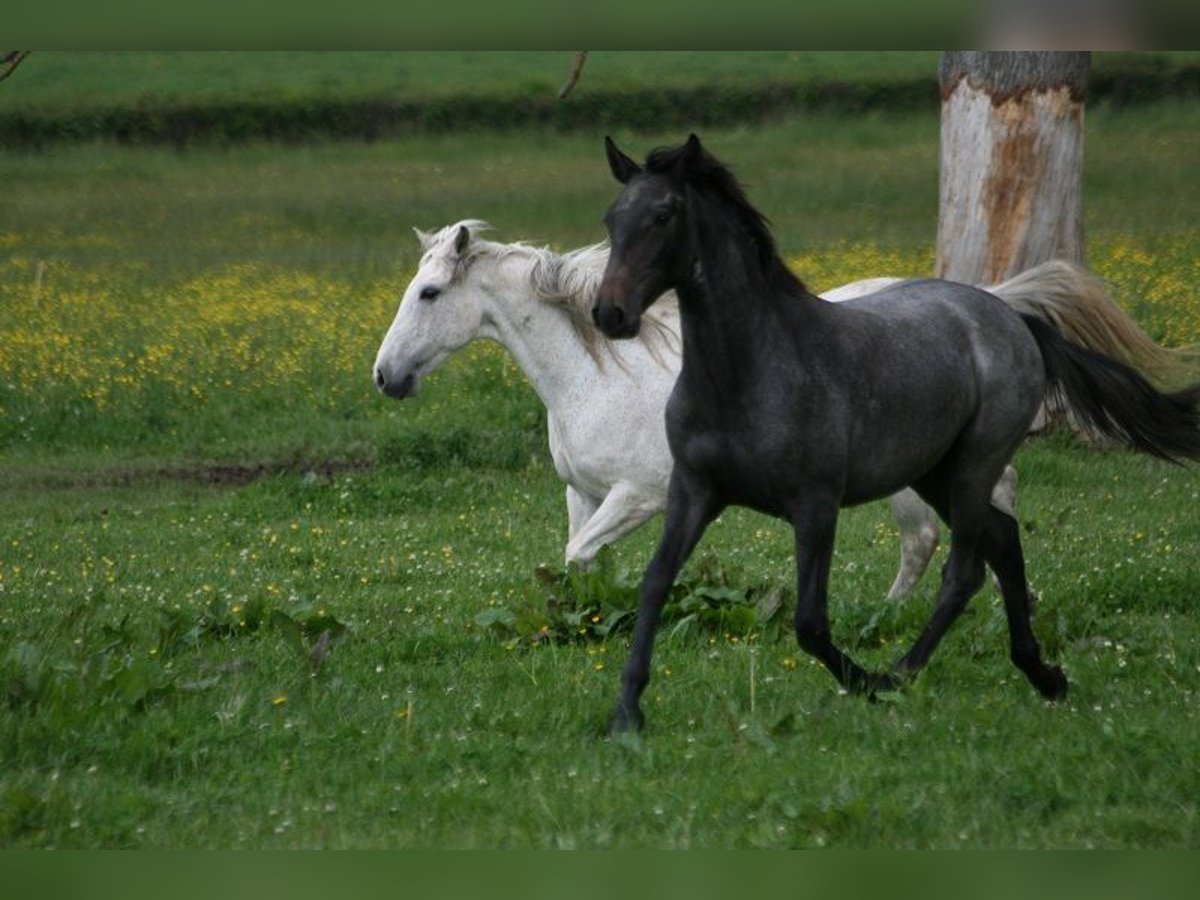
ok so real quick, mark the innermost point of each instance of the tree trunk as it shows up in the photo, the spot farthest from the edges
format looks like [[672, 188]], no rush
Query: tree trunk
[[1011, 162]]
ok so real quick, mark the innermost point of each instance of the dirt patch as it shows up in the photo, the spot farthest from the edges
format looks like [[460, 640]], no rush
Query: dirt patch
[[217, 474], [245, 473]]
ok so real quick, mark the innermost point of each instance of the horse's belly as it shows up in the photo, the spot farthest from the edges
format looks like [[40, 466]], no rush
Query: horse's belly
[[898, 441], [872, 475], [746, 468]]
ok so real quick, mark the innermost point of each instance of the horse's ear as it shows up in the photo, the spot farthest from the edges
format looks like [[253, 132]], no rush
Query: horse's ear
[[424, 237], [692, 151], [623, 168], [462, 239]]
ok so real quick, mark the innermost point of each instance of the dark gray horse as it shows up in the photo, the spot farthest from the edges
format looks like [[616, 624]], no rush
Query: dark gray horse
[[796, 407]]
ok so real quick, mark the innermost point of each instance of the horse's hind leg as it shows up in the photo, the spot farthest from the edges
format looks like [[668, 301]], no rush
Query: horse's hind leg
[[918, 540], [919, 530], [962, 576], [963, 501], [992, 537], [1001, 545]]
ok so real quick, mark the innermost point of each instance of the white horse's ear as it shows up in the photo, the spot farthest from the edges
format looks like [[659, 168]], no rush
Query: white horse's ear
[[462, 239], [424, 237]]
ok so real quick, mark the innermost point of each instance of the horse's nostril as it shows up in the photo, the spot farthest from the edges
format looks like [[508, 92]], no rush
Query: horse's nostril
[[380, 381], [608, 317]]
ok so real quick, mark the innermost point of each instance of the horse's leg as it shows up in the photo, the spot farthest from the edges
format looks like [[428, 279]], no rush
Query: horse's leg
[[919, 529], [962, 576], [624, 508], [1001, 545], [1004, 494], [690, 508], [964, 507], [580, 508], [918, 540], [815, 526]]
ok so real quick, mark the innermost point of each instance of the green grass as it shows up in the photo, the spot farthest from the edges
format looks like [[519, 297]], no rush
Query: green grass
[[350, 207], [142, 712], [165, 680]]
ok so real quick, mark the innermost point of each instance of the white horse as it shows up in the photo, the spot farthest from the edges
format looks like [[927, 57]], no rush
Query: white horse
[[605, 399]]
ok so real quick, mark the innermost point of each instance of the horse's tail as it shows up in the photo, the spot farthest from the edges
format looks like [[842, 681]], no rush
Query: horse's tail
[[1114, 399], [1077, 303]]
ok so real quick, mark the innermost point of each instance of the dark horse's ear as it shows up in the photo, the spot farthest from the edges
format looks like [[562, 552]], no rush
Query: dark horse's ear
[[623, 168], [692, 151], [461, 239]]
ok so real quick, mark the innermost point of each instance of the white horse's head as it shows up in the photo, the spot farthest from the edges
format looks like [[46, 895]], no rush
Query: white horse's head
[[439, 313]]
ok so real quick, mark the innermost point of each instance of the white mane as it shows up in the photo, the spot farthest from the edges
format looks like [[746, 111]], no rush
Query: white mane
[[568, 280]]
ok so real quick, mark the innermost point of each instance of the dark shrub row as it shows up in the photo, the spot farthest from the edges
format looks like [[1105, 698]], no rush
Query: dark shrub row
[[706, 105], [295, 120]]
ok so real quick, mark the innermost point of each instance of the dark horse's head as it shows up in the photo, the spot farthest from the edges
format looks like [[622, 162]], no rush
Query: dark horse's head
[[646, 228], [680, 192]]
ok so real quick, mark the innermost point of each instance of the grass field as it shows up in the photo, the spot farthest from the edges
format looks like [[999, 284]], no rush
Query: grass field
[[199, 483]]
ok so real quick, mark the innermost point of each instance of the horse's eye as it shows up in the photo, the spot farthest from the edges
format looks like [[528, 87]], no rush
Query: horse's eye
[[430, 293], [663, 217]]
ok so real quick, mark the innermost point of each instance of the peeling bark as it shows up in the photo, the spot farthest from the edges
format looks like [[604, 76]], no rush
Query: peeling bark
[[1011, 163]]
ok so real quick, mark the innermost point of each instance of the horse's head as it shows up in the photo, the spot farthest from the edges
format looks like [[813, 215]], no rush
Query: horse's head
[[646, 227], [439, 313]]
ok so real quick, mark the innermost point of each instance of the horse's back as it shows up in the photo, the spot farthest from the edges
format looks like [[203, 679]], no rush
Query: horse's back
[[947, 361], [956, 317], [924, 296]]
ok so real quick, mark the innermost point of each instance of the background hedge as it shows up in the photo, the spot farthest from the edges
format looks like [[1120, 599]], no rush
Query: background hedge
[[293, 114]]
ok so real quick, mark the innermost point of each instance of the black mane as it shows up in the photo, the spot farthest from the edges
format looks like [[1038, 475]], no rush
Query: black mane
[[708, 174]]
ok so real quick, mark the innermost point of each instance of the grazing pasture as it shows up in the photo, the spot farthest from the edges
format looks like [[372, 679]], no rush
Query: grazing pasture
[[246, 601]]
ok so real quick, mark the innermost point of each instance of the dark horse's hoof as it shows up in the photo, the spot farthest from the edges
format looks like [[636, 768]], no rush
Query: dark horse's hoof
[[884, 683], [626, 719], [1051, 683], [871, 684]]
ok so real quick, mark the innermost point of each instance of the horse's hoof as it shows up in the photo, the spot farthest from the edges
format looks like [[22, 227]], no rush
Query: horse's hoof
[[626, 720], [883, 683], [887, 682], [1051, 683], [871, 684]]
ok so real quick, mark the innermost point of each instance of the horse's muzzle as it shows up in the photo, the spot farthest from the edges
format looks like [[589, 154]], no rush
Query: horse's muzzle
[[396, 388], [614, 321]]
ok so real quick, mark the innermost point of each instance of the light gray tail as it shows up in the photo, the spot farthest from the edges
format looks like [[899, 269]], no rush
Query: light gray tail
[[1078, 304]]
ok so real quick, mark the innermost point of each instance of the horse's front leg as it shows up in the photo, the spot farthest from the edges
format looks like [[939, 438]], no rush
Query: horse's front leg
[[580, 508], [690, 508], [815, 526], [625, 507]]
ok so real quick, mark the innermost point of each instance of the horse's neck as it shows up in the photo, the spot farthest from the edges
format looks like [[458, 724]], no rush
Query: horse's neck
[[727, 316], [539, 336]]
